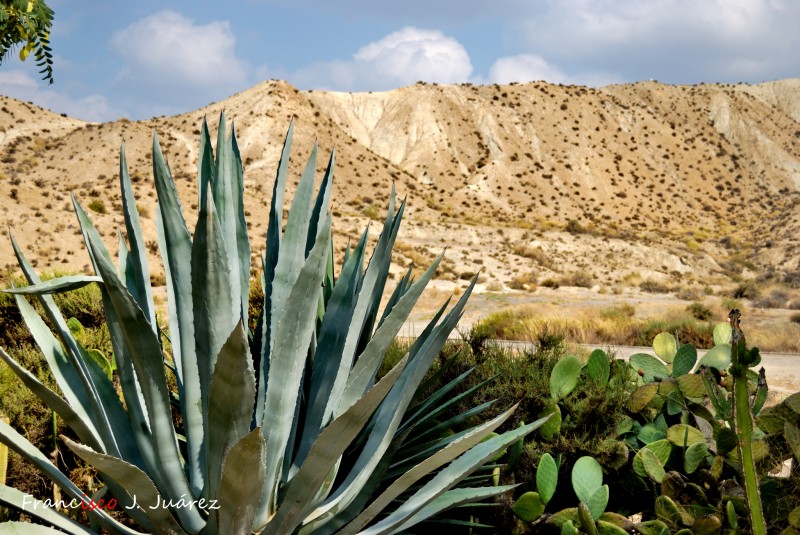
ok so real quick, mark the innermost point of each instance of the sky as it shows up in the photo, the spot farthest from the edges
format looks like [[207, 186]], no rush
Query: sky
[[149, 58]]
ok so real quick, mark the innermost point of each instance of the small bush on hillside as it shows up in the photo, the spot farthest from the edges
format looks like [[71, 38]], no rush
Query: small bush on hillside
[[699, 311], [776, 299], [654, 287], [746, 290]]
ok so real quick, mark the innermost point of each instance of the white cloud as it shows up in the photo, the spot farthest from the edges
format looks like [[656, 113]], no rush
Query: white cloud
[[21, 85], [176, 62], [673, 40], [400, 58], [524, 68]]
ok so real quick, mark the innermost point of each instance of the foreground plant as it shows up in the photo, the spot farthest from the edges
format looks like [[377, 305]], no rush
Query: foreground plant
[[283, 429]]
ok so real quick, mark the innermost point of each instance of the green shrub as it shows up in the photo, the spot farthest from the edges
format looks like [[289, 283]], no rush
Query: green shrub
[[98, 206], [699, 311]]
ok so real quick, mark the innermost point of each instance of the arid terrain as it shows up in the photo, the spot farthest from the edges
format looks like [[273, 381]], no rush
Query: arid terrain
[[621, 188]]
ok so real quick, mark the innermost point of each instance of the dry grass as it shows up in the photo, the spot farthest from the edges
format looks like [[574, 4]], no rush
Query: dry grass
[[618, 325]]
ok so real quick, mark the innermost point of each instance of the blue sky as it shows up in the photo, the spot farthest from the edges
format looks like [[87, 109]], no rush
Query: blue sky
[[147, 58]]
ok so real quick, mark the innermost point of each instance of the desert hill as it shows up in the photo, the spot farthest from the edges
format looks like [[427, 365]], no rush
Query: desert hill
[[613, 186]]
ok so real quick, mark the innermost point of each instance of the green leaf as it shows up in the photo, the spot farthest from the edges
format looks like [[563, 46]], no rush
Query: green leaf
[[551, 427], [662, 449], [22, 502], [792, 434], [135, 482], [546, 477], [652, 465], [597, 502], [55, 285], [694, 455], [650, 365], [718, 357], [229, 416], [722, 333], [642, 396], [326, 452], [528, 507], [683, 435], [684, 361], [243, 476], [587, 478], [666, 346], [598, 367], [564, 377]]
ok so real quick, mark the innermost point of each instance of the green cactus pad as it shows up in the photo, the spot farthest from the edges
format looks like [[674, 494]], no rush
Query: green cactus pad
[[652, 465], [564, 377], [528, 507], [694, 455], [607, 528], [652, 527], [666, 346], [597, 502], [552, 427], [722, 333], [546, 478], [652, 367], [650, 433], [718, 357], [618, 520], [668, 512], [706, 525], [569, 515], [75, 327], [642, 396], [684, 435], [794, 517], [587, 522], [691, 386], [733, 520], [568, 528], [598, 367], [726, 440], [661, 448], [684, 361], [793, 402], [587, 478]]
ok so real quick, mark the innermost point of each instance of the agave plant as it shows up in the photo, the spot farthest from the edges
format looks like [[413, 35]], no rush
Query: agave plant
[[284, 428]]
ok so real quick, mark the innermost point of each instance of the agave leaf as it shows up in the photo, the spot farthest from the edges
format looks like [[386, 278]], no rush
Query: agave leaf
[[364, 304], [242, 483], [18, 443], [448, 477], [145, 351], [273, 246], [175, 245], [451, 423], [139, 281], [324, 455], [327, 359], [22, 502], [80, 423], [291, 339], [387, 419], [213, 322], [369, 361], [439, 394], [321, 205], [450, 499], [227, 178], [229, 416], [56, 285], [135, 482]]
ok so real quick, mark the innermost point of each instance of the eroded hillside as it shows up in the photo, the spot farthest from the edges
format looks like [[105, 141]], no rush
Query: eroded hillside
[[613, 186]]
